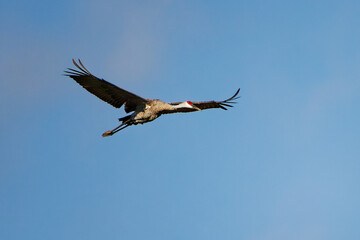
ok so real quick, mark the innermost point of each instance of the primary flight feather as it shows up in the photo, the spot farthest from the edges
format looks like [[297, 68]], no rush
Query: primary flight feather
[[144, 110]]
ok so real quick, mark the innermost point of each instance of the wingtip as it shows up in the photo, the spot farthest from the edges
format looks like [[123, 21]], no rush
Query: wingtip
[[234, 96], [80, 66]]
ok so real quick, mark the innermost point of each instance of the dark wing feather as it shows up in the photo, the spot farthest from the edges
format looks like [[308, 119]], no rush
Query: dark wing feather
[[104, 90], [210, 104]]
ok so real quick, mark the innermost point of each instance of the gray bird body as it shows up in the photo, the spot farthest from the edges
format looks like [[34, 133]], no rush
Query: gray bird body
[[150, 111], [144, 110]]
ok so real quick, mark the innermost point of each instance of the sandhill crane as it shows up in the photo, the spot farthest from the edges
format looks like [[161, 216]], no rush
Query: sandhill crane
[[144, 110]]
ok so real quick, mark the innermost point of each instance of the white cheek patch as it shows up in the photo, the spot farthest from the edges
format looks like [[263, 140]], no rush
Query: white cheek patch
[[185, 104]]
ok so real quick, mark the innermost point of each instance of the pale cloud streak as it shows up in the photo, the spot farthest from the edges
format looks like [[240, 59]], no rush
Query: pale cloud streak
[[138, 38]]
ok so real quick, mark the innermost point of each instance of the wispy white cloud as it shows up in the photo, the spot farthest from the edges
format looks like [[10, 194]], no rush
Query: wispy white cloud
[[32, 62], [29, 67], [137, 37]]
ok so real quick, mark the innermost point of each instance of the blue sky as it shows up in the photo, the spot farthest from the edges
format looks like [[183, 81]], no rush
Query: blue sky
[[283, 164]]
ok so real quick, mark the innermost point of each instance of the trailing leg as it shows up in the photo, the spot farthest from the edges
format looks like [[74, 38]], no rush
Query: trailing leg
[[123, 125]]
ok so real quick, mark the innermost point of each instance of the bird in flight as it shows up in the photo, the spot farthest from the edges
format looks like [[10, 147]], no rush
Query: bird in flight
[[144, 110]]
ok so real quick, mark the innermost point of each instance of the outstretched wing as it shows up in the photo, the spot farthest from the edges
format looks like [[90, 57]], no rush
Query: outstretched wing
[[210, 104], [104, 90]]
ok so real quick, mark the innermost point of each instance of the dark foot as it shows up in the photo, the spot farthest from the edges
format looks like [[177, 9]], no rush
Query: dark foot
[[107, 133]]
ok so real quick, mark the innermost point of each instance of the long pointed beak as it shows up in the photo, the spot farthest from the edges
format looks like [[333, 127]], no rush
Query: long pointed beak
[[196, 108]]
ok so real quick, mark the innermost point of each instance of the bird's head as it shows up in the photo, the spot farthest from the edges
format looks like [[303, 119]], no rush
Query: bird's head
[[191, 105], [186, 105]]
